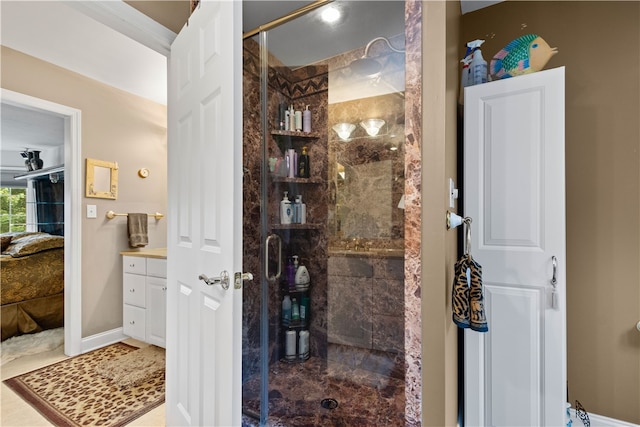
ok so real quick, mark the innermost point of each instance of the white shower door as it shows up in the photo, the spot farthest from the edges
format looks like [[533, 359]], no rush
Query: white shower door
[[514, 191]]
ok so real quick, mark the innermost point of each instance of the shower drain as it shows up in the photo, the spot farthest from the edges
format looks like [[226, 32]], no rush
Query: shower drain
[[329, 403]]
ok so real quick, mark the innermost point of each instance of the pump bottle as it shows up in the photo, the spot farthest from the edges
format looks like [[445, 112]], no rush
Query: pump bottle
[[286, 213], [306, 120]]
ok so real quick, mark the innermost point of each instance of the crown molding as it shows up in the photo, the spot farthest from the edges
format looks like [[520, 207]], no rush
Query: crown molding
[[127, 20]]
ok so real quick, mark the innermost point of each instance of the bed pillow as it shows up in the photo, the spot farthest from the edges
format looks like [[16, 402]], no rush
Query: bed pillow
[[4, 241], [34, 243]]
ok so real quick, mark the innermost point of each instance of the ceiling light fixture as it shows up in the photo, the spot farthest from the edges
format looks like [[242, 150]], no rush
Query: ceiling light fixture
[[372, 126], [330, 15], [344, 130]]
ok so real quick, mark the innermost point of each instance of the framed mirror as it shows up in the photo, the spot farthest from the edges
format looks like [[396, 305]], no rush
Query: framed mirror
[[102, 179]]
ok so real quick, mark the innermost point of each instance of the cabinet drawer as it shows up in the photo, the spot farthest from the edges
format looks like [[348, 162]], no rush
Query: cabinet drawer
[[157, 267], [134, 289], [133, 322], [134, 264]]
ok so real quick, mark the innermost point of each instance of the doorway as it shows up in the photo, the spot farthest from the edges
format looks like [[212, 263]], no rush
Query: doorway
[[72, 210]]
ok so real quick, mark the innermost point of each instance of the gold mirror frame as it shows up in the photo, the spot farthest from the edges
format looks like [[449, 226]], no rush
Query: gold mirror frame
[[102, 179]]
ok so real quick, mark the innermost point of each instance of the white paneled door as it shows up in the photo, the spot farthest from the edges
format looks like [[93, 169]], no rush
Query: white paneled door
[[514, 191], [204, 236]]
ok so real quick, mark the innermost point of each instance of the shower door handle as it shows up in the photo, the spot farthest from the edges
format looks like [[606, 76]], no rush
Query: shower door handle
[[266, 258]]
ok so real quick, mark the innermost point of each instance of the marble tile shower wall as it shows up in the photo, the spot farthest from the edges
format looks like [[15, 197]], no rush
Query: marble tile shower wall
[[372, 184]]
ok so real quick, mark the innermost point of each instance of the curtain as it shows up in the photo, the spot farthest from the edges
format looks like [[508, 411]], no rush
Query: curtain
[[49, 192]]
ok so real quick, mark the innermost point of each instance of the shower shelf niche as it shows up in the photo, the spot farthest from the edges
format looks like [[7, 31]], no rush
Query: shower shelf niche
[[284, 179], [295, 226], [296, 134]]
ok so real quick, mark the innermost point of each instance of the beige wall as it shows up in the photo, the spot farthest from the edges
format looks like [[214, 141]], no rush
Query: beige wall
[[598, 44], [441, 22], [116, 126]]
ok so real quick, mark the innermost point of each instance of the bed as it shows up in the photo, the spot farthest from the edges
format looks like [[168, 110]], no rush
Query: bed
[[32, 283]]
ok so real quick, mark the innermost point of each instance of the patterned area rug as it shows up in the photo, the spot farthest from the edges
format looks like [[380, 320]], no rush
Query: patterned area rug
[[72, 393]]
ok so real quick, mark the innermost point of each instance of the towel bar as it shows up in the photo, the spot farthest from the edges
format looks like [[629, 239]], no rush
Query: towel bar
[[112, 214]]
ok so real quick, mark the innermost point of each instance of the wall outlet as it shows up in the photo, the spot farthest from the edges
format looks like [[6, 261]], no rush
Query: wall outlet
[[92, 211]]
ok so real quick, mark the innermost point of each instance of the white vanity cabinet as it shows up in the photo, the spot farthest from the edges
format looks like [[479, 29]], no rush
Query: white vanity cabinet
[[144, 280]]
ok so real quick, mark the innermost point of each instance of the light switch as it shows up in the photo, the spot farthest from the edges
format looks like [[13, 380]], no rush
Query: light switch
[[453, 193], [92, 211]]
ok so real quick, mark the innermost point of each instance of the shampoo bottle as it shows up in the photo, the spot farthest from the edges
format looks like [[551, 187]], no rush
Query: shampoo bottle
[[295, 310], [303, 351], [303, 211], [297, 210], [286, 310], [306, 120], [286, 119], [290, 345], [291, 156], [304, 309], [281, 115], [291, 275], [302, 278], [303, 164], [298, 120], [292, 118], [286, 213]]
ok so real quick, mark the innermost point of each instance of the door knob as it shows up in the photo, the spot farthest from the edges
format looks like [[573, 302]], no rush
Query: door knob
[[222, 280], [239, 278]]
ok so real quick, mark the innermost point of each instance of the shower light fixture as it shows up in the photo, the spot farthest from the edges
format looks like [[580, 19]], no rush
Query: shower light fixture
[[372, 126], [344, 130], [369, 67]]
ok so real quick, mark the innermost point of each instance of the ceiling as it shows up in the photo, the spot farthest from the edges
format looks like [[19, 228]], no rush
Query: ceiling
[[65, 35]]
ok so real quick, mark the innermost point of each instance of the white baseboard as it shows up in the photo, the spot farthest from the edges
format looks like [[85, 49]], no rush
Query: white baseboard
[[102, 339]]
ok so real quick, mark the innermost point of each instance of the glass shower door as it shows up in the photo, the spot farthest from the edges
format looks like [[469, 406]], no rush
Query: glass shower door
[[324, 179]]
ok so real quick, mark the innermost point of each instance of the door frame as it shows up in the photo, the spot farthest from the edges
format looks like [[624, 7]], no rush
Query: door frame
[[72, 211]]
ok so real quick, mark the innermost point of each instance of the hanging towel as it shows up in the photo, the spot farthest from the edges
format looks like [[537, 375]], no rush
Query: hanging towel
[[137, 224], [477, 314], [460, 293]]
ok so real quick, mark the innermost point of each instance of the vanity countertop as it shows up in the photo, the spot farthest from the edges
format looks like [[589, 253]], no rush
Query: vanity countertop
[[147, 253]]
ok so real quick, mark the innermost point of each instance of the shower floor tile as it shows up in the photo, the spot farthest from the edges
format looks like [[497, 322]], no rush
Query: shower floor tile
[[296, 392]]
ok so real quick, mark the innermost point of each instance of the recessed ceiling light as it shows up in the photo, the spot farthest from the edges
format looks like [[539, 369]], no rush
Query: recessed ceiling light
[[330, 15]]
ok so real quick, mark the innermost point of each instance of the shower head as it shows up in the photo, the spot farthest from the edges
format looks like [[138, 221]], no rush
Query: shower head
[[369, 67]]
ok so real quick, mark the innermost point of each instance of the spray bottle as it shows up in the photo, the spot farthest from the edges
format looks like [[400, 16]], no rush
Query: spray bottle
[[478, 64]]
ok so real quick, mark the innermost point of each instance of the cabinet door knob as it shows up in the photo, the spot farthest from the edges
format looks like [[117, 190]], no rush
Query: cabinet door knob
[[132, 290], [132, 322]]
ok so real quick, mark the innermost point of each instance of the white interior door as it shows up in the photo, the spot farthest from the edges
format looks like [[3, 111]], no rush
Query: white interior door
[[204, 352], [514, 191]]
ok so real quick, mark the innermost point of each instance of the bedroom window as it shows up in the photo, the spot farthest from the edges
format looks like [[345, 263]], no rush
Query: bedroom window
[[13, 209]]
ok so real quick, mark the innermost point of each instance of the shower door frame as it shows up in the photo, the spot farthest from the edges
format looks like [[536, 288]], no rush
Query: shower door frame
[[413, 210]]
